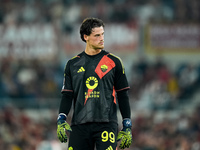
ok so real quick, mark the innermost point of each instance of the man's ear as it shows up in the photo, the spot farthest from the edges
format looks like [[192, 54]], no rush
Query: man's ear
[[85, 37]]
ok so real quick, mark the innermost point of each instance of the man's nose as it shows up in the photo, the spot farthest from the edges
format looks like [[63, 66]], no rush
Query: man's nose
[[102, 37]]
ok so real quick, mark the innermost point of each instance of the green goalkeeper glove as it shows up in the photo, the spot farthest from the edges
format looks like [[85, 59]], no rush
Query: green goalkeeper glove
[[62, 126], [125, 135]]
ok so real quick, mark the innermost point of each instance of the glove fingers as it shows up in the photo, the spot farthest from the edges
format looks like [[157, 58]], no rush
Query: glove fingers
[[126, 139], [119, 138], [59, 136], [120, 135], [63, 126], [128, 142], [67, 127], [123, 143], [63, 138], [62, 135]]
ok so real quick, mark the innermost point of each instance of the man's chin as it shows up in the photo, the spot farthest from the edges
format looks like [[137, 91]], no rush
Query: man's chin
[[101, 47]]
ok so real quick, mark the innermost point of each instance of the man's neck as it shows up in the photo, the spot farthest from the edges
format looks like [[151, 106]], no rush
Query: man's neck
[[92, 51]]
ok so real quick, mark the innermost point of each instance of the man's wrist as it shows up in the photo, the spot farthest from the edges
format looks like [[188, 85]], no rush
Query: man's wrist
[[127, 123], [62, 117]]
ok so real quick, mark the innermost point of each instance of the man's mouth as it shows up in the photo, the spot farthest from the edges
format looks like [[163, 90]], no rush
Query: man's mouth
[[102, 43]]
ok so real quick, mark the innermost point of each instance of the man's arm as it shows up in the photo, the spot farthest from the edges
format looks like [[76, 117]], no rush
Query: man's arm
[[66, 102], [125, 135], [124, 106], [62, 125]]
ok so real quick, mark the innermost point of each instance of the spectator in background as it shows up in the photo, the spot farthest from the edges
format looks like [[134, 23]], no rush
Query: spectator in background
[[154, 11], [181, 11], [187, 80], [194, 6], [173, 86]]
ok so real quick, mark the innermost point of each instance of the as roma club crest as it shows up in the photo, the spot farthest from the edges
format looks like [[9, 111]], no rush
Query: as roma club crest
[[104, 68]]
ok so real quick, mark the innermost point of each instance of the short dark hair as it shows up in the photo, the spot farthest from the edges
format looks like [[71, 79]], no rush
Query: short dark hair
[[88, 24]]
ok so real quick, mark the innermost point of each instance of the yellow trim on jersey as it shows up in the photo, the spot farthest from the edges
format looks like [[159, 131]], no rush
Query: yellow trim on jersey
[[74, 57], [70, 59], [119, 60]]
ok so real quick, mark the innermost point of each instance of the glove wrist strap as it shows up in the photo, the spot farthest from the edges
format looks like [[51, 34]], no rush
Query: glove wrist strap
[[127, 123], [62, 117]]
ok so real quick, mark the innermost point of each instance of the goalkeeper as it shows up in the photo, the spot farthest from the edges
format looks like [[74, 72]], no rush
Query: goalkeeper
[[92, 80]]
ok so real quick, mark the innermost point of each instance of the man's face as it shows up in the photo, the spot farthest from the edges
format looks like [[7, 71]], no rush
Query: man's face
[[96, 39]]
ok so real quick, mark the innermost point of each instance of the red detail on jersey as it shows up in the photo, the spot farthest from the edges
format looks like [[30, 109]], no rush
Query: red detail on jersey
[[113, 94], [104, 61], [88, 95], [67, 90], [123, 89]]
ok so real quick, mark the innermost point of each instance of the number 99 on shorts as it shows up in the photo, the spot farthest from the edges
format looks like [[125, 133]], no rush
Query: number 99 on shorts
[[108, 136]]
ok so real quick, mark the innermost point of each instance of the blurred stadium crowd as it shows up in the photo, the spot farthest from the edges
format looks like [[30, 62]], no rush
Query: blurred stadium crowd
[[159, 87], [20, 132], [68, 12], [153, 85]]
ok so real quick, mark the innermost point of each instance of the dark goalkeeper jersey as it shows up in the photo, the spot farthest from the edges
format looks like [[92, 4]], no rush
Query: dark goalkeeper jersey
[[93, 81]]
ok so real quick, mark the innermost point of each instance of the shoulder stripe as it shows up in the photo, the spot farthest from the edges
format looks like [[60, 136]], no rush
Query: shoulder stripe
[[113, 55], [75, 57], [119, 60]]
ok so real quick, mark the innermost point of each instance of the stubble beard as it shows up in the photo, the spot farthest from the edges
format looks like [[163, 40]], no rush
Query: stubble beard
[[99, 47]]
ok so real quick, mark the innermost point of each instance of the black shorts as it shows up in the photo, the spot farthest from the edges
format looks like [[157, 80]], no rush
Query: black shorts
[[90, 135]]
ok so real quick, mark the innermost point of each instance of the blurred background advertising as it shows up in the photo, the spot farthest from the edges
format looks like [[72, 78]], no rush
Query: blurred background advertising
[[157, 40]]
